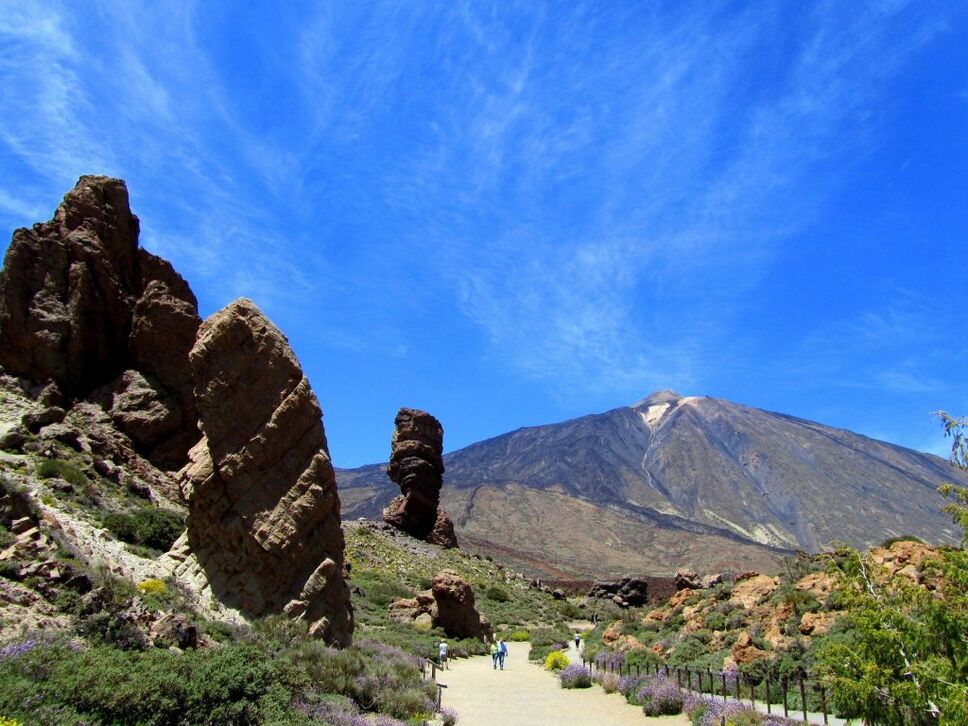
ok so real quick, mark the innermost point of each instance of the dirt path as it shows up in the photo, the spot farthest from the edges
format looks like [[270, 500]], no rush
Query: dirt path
[[524, 694]]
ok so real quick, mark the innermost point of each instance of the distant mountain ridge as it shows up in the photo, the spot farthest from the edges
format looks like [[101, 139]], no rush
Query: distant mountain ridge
[[676, 481]]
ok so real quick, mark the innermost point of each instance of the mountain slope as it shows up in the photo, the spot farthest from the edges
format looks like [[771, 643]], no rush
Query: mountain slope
[[676, 481]]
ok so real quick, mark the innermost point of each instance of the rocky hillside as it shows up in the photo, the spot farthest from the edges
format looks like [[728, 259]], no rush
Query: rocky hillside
[[676, 481]]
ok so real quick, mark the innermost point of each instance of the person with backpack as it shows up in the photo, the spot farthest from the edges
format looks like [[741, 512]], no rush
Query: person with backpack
[[502, 652], [494, 653], [442, 654]]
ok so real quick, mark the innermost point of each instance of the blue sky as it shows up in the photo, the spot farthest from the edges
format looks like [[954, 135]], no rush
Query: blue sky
[[511, 214]]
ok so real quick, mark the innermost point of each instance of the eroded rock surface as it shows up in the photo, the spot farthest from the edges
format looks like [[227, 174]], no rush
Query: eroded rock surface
[[448, 604], [81, 303], [264, 515], [417, 466]]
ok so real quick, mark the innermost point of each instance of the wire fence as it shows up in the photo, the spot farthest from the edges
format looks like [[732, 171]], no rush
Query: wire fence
[[773, 693]]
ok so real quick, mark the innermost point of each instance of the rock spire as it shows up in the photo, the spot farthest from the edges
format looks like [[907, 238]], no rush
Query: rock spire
[[417, 466], [264, 515]]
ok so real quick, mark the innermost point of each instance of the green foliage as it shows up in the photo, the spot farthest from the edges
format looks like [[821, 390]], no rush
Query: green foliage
[[59, 469], [519, 636], [497, 594], [229, 685], [149, 527], [957, 507], [715, 621], [905, 656], [555, 661]]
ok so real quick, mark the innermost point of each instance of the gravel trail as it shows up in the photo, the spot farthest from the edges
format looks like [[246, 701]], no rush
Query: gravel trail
[[524, 694]]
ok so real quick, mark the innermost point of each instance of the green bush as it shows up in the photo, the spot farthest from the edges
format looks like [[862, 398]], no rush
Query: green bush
[[228, 685], [59, 469], [519, 636], [147, 526], [715, 621], [497, 594]]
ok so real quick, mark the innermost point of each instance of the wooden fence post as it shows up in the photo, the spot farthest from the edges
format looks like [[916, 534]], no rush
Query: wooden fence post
[[823, 703], [803, 699], [786, 687]]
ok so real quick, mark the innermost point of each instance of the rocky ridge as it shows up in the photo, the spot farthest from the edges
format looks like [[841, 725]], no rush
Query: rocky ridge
[[676, 481], [107, 378], [83, 306]]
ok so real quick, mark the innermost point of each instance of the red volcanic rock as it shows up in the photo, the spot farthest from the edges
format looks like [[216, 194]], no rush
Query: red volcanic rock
[[417, 466], [456, 613], [80, 303], [448, 604], [264, 514]]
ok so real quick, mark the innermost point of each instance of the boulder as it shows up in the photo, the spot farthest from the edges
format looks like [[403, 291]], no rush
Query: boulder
[[264, 514], [81, 302], [455, 605], [417, 466], [753, 590], [449, 604], [686, 578], [744, 651], [634, 591]]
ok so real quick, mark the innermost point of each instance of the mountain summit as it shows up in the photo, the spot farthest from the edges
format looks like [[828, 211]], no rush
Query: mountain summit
[[677, 481]]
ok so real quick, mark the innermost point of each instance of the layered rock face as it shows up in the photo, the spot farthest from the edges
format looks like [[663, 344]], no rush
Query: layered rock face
[[264, 515], [82, 305], [417, 466]]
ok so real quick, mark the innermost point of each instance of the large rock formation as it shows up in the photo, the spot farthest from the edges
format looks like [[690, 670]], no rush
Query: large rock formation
[[417, 466], [82, 305], [264, 515], [449, 604]]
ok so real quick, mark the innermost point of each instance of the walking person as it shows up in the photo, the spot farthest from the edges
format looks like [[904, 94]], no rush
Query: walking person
[[442, 654], [502, 652], [494, 653], [577, 642]]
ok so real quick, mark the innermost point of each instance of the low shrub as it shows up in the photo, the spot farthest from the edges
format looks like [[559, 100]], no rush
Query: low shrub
[[147, 526], [660, 696], [497, 594], [608, 681], [519, 636], [715, 621], [575, 676], [59, 469], [556, 661], [447, 715], [153, 586]]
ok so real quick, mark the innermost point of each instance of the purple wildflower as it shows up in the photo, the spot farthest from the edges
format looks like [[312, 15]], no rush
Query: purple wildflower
[[18, 649], [575, 676], [660, 696]]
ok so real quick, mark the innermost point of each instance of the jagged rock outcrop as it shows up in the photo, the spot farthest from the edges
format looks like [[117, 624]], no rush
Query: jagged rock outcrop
[[83, 306], [634, 591], [417, 466], [264, 515], [449, 604]]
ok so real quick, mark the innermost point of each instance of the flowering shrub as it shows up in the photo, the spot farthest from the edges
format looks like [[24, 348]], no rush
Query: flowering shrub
[[555, 661], [4, 721], [15, 650], [575, 676], [629, 686], [709, 711], [519, 636], [152, 586], [608, 681], [449, 716], [660, 696]]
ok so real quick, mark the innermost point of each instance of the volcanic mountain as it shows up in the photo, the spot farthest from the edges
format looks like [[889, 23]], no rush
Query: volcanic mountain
[[675, 481]]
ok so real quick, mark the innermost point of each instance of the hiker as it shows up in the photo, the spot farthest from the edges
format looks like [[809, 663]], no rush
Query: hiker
[[494, 653], [577, 641], [442, 653], [502, 652]]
